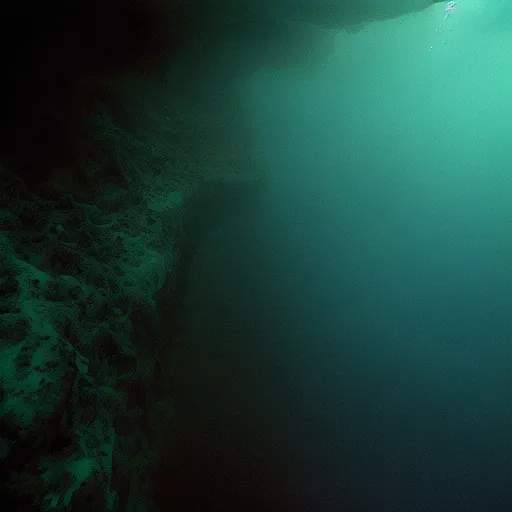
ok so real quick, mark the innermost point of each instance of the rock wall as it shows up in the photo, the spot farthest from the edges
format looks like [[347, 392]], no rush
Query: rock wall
[[88, 264]]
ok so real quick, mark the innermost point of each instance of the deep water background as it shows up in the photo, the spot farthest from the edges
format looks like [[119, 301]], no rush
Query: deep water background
[[348, 343]]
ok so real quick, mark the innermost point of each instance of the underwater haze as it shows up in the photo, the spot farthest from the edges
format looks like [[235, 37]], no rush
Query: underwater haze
[[349, 343]]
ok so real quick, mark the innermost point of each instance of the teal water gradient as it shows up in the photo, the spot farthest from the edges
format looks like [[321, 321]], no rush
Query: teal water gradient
[[350, 342]]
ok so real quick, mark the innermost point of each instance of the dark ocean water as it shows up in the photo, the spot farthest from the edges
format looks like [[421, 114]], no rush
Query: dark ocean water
[[348, 343]]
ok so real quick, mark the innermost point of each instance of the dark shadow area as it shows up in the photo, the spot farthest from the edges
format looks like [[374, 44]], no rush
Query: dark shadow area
[[58, 60]]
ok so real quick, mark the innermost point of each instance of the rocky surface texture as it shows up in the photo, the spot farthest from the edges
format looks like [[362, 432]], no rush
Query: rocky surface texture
[[93, 273], [108, 181]]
